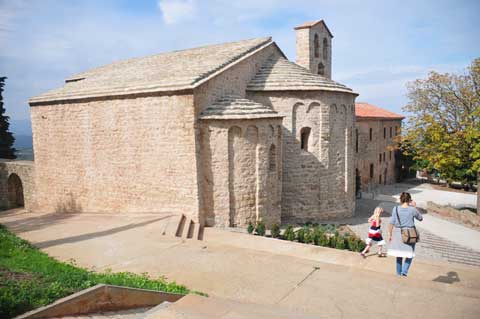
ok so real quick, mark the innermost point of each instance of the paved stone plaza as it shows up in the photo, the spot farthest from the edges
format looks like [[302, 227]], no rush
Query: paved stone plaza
[[321, 281]]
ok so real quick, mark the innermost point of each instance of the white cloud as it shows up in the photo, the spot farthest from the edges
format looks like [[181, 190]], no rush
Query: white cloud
[[176, 11]]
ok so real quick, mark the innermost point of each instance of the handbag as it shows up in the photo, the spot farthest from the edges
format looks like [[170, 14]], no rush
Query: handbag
[[410, 235]]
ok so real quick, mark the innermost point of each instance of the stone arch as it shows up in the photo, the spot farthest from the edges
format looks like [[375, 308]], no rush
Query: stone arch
[[325, 48], [316, 46], [295, 109], [15, 191], [321, 69], [343, 110], [312, 106], [333, 108]]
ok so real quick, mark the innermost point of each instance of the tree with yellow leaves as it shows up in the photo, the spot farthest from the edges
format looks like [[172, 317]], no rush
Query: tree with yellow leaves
[[443, 131]]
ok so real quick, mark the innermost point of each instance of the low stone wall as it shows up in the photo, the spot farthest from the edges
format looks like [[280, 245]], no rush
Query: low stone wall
[[16, 184], [464, 216]]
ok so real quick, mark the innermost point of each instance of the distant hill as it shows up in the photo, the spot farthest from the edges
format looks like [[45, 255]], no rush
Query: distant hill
[[23, 141]]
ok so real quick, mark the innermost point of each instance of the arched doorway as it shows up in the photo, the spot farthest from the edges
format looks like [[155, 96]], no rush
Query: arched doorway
[[15, 191]]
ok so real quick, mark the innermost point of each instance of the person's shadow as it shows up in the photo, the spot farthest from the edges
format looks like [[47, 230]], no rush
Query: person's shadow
[[450, 278]]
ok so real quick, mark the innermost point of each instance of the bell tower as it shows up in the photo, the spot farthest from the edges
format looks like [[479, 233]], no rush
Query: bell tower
[[314, 47]]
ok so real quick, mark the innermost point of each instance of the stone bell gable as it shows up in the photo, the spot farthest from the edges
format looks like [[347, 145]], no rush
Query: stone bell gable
[[314, 47]]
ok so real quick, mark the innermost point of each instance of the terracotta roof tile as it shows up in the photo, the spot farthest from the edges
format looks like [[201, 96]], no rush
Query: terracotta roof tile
[[368, 111]]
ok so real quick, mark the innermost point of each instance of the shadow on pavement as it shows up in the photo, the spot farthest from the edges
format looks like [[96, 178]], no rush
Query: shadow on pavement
[[35, 222], [74, 239], [450, 278]]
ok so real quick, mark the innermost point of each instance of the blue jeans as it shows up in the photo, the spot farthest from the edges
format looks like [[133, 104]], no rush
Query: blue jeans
[[403, 270]]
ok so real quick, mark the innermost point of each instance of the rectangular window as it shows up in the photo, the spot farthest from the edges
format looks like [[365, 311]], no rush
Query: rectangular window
[[380, 179], [356, 140], [371, 170], [390, 131], [384, 132], [396, 130], [384, 156], [390, 155], [371, 134], [380, 157]]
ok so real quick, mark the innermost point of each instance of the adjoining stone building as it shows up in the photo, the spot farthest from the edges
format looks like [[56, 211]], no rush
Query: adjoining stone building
[[227, 134], [375, 154]]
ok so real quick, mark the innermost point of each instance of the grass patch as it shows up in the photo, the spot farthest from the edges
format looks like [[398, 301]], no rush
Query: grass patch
[[29, 278]]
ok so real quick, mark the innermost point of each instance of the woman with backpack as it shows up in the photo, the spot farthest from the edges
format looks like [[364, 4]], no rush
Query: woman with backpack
[[402, 233]]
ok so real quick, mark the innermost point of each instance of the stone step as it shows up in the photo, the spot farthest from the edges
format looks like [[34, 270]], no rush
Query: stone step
[[184, 227]]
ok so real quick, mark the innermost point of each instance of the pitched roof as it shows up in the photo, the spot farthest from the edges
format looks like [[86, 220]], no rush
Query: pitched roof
[[367, 111], [232, 107], [279, 74], [310, 24], [171, 71]]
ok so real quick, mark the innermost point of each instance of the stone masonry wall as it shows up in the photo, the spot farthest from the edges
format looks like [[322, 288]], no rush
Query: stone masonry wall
[[318, 183], [232, 81], [25, 170], [128, 155], [242, 176], [379, 151]]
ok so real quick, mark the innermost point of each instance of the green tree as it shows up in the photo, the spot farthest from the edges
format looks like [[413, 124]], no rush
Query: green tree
[[6, 137], [443, 133]]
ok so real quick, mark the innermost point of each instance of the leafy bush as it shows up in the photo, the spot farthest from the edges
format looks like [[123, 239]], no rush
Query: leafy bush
[[308, 235], [332, 242], [324, 241], [250, 228], [301, 235], [275, 231], [317, 234], [340, 243], [261, 229], [352, 243], [289, 233]]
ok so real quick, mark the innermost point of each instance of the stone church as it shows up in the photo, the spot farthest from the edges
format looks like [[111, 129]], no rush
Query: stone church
[[228, 134]]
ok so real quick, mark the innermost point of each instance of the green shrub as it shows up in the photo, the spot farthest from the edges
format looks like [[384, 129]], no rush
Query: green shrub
[[308, 235], [360, 245], [317, 234], [324, 240], [352, 243], [261, 229], [289, 233], [332, 242], [250, 228], [301, 235], [340, 243], [275, 231]]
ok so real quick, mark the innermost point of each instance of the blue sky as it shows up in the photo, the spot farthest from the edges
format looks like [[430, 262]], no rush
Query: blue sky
[[378, 46]]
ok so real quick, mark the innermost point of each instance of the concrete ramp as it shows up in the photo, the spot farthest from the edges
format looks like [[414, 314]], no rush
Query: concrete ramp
[[197, 307]]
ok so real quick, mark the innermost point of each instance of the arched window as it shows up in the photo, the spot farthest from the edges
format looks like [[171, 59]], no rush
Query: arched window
[[304, 135], [321, 69], [316, 46], [272, 159], [325, 48]]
